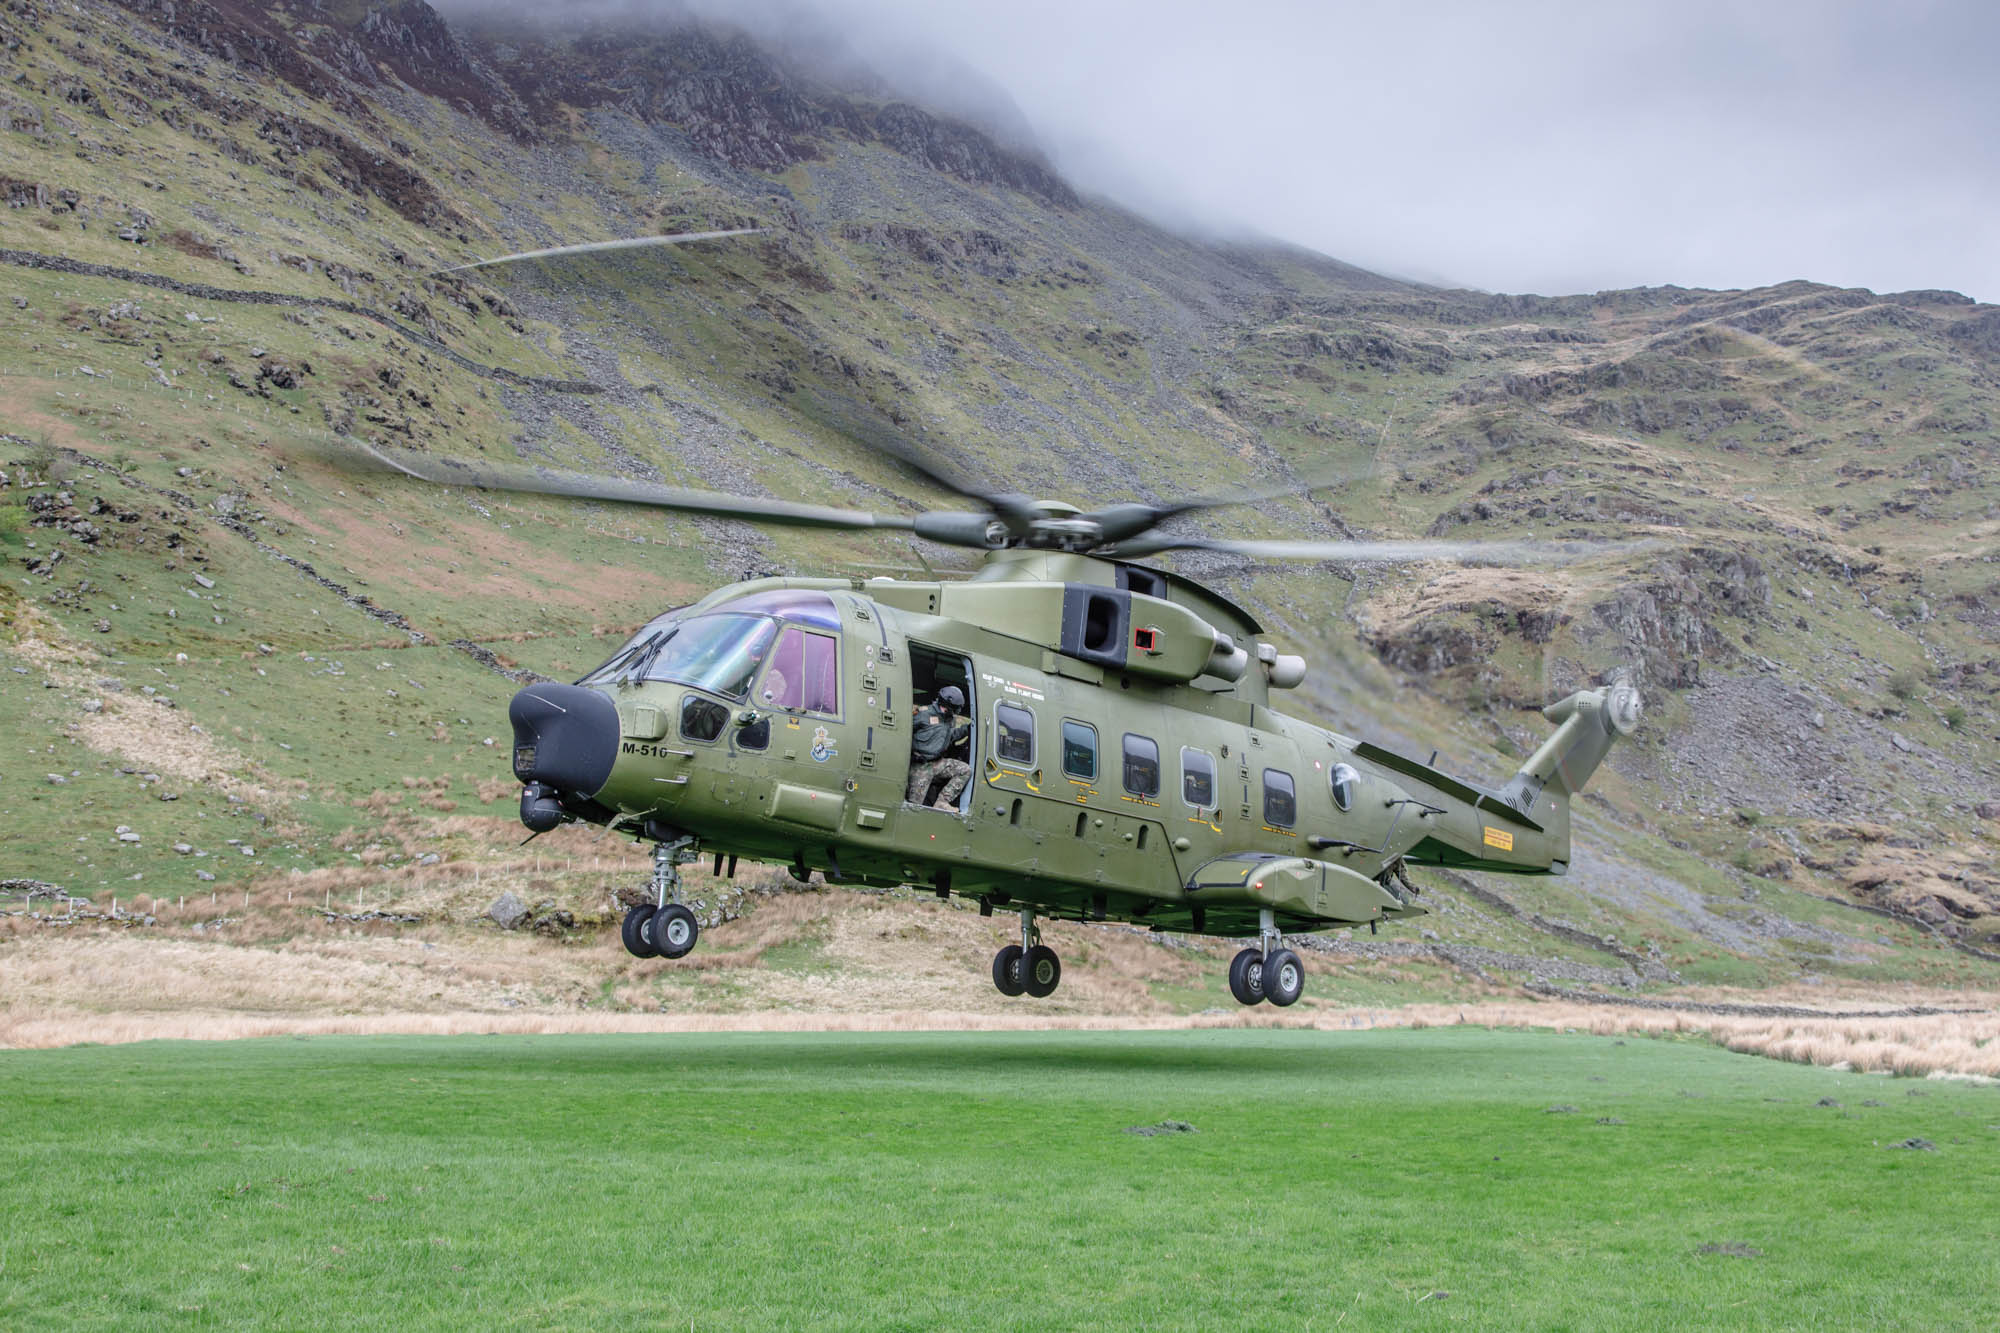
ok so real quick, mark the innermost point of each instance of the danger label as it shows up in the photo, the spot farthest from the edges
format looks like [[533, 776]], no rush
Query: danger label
[[1501, 838]]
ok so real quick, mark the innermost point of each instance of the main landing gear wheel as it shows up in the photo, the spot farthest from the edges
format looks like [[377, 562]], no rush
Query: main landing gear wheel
[[1042, 971], [635, 933], [1284, 977], [1246, 977], [674, 930], [1007, 977]]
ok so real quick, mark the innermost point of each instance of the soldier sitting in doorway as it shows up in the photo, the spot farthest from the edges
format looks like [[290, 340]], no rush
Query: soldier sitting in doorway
[[939, 739]]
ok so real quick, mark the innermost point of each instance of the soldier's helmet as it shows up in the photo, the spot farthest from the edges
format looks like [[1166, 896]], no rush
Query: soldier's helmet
[[951, 697]]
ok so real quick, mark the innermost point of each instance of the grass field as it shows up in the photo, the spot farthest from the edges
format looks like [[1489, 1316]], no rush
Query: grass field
[[1458, 1176]]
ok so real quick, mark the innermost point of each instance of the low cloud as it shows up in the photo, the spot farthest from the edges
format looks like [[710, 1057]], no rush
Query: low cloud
[[1549, 147]]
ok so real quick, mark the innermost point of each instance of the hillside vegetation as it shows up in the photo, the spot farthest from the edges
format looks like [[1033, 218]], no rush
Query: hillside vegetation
[[233, 668]]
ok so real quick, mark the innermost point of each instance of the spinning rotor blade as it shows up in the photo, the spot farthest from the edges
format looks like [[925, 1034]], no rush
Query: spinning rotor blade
[[599, 247], [1374, 552], [866, 427], [1123, 522], [619, 490]]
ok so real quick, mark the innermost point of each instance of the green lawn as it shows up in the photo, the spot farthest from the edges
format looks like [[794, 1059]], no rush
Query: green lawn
[[1371, 1179]]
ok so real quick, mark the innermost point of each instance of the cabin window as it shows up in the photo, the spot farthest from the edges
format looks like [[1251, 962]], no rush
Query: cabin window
[[1345, 780], [1281, 803], [1142, 766], [702, 719], [755, 735], [1079, 749], [1015, 741], [1198, 778], [804, 674]]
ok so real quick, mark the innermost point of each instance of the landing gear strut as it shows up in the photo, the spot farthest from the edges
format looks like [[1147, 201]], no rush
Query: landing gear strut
[[1029, 967], [1268, 971], [663, 928]]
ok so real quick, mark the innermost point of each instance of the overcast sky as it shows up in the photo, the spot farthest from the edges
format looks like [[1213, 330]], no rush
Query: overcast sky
[[1546, 147]]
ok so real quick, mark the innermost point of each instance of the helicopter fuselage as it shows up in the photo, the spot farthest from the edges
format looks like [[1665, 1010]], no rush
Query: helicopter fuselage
[[1125, 762]]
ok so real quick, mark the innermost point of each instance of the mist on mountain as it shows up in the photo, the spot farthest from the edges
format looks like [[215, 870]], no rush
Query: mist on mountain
[[1542, 147]]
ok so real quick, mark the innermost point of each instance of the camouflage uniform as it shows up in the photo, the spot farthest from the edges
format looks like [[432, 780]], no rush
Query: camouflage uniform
[[936, 732], [957, 771]]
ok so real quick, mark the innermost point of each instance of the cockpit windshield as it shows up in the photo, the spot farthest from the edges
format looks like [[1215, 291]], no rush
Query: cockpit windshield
[[621, 659], [719, 652]]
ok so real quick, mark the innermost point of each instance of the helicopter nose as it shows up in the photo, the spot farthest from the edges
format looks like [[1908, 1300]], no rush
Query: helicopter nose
[[565, 737]]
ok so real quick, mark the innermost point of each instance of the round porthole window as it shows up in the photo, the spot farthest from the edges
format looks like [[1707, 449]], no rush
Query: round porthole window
[[1345, 780]]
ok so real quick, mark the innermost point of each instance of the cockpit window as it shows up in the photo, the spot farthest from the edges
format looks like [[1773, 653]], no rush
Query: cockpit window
[[719, 653], [800, 605], [804, 673], [623, 657]]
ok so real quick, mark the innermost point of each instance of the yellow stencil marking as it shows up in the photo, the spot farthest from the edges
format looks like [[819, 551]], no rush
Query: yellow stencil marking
[[1501, 838]]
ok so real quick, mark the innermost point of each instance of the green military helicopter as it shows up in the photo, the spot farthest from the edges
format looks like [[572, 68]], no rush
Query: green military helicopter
[[1121, 756]]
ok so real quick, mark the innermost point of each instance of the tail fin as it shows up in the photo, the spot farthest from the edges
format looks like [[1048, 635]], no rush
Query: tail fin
[[1587, 723]]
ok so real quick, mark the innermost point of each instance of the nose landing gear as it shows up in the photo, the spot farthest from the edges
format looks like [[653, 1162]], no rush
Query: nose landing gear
[[663, 928], [1268, 971], [1030, 967]]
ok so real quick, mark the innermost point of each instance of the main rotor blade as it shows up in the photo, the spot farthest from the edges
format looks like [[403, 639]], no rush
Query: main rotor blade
[[620, 490], [1381, 552], [866, 427], [598, 247], [1122, 522]]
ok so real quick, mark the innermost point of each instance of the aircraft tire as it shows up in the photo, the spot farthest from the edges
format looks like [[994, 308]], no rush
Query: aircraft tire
[[674, 931], [1246, 977], [1041, 971], [638, 940], [1284, 977], [1007, 970]]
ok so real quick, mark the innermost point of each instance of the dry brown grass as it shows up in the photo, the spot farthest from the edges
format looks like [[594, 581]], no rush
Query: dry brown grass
[[1938, 1047], [868, 963], [1934, 1044]]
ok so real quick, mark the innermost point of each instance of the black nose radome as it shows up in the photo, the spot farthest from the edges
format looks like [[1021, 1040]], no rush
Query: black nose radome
[[565, 737]]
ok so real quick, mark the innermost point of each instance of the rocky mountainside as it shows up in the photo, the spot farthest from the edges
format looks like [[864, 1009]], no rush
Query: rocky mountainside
[[220, 249]]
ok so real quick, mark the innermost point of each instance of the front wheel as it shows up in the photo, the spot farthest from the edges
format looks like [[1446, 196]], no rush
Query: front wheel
[[674, 930], [638, 939]]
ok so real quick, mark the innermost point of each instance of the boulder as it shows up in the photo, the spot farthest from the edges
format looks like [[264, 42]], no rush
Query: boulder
[[509, 911]]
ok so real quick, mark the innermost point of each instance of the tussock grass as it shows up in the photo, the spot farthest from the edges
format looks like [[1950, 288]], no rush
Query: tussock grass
[[1953, 1043]]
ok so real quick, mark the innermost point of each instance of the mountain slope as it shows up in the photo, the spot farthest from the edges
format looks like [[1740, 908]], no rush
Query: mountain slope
[[1813, 615]]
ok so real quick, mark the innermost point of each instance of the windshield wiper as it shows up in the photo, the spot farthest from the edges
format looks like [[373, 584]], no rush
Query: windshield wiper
[[644, 654]]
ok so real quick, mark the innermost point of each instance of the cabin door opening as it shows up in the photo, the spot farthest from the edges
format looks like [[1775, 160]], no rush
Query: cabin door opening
[[931, 670]]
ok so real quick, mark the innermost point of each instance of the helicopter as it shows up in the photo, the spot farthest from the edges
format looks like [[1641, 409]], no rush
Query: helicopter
[[1122, 754]]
